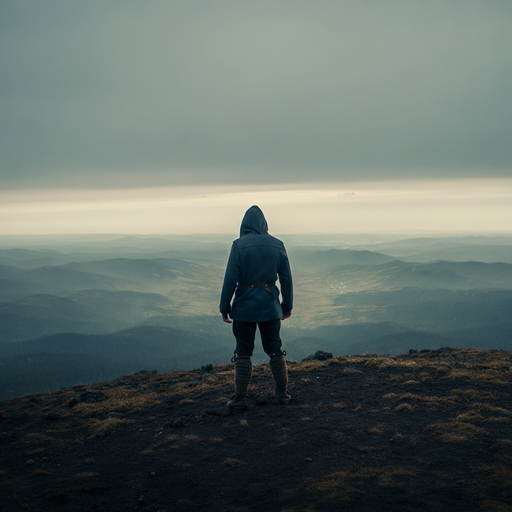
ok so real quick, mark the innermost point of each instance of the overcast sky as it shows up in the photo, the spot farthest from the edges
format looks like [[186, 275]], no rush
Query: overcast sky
[[275, 95]]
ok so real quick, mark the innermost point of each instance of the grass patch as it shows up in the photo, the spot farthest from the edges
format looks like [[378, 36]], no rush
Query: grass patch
[[459, 428], [120, 399], [404, 408], [180, 441], [3, 472], [306, 366], [36, 451], [489, 376], [498, 419], [108, 426], [432, 402], [147, 453], [469, 417], [388, 482], [231, 462], [376, 362], [351, 370], [452, 438], [500, 473], [338, 486], [482, 407]]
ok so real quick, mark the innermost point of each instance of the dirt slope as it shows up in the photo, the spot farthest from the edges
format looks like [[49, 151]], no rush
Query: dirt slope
[[428, 431]]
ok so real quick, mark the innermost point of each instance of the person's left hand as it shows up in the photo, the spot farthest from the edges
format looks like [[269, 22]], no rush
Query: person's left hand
[[227, 319], [286, 314]]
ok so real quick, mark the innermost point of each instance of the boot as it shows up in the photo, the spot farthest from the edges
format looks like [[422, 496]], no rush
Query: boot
[[243, 373], [278, 368]]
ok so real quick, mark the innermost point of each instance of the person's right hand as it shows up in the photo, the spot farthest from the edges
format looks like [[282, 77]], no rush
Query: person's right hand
[[286, 314], [227, 319]]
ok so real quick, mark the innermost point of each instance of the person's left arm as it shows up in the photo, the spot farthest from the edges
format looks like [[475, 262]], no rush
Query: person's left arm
[[286, 281]]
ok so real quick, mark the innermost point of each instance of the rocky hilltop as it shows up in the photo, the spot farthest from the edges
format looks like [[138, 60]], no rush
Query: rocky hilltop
[[428, 430]]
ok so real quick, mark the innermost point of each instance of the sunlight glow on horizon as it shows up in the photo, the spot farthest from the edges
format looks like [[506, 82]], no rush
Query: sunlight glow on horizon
[[471, 205]]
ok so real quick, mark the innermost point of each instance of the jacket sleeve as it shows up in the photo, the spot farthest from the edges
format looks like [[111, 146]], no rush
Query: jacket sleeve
[[285, 279], [230, 280]]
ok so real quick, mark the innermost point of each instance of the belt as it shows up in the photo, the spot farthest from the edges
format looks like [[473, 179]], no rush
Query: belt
[[265, 286]]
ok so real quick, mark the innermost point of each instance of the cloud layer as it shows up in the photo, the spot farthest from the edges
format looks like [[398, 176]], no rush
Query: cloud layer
[[131, 93], [361, 207]]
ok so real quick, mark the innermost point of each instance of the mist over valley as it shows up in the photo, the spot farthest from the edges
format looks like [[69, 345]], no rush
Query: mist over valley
[[88, 309]]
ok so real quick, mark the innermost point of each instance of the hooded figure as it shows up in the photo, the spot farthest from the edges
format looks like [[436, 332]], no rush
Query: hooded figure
[[256, 261]]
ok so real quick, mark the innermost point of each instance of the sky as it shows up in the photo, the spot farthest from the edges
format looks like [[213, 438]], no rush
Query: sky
[[334, 116]]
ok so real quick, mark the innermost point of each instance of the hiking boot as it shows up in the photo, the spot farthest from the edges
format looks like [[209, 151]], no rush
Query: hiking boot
[[283, 399], [243, 374], [278, 368], [238, 404]]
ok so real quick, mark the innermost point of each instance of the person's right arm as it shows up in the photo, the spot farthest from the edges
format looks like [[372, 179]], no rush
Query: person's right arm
[[230, 281]]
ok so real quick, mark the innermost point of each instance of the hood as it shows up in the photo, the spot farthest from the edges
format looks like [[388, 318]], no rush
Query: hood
[[253, 222]]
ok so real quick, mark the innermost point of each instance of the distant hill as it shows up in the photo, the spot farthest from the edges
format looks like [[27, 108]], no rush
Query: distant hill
[[58, 358], [339, 257], [439, 275], [88, 311], [139, 269]]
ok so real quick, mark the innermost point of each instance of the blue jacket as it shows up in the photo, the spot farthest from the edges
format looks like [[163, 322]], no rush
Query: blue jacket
[[256, 258]]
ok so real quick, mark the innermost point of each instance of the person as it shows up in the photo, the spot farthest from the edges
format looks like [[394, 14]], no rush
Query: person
[[255, 262]]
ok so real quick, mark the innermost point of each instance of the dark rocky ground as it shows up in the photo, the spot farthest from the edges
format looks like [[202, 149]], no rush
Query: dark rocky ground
[[427, 431]]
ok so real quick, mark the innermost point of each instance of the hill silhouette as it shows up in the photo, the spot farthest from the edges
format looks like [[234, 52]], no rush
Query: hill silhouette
[[427, 430]]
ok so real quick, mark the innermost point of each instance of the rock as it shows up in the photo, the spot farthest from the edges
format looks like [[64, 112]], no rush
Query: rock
[[34, 400], [178, 424], [460, 357], [413, 351], [156, 387], [171, 400], [30, 462], [192, 384], [101, 433], [53, 416], [208, 376], [319, 355]]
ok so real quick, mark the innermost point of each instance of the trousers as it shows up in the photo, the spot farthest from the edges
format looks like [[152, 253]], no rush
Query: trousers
[[245, 333]]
